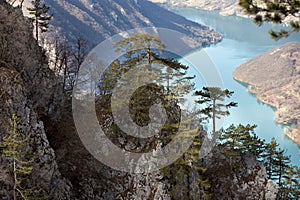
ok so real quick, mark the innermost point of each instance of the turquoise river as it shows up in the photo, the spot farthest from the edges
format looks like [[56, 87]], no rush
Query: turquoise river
[[242, 41]]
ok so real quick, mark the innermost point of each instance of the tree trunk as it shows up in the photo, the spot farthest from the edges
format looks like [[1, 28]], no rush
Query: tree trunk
[[149, 57], [214, 117], [65, 73], [15, 178], [36, 29]]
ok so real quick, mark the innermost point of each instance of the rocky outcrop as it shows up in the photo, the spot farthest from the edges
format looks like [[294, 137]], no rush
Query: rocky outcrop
[[238, 177], [19, 51], [275, 77], [45, 176], [27, 90]]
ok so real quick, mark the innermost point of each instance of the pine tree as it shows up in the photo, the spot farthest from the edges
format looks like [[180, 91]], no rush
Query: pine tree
[[290, 183], [270, 158], [281, 164], [257, 146], [274, 11], [196, 164], [230, 138], [147, 50], [170, 83], [280, 170], [240, 140], [213, 98], [175, 77], [142, 43], [15, 148], [40, 16]]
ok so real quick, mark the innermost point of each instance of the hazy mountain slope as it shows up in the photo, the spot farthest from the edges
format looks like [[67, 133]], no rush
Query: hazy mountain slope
[[95, 20], [275, 77]]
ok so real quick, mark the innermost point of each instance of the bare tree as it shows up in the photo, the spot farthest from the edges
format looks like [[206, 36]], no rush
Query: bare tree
[[79, 53], [66, 59]]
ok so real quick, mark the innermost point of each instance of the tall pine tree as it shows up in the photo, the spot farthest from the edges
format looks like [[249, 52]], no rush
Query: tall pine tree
[[16, 150], [40, 16], [213, 98]]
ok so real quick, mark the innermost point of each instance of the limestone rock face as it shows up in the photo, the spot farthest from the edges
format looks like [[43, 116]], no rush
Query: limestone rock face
[[27, 90], [238, 178], [275, 77], [19, 51], [45, 175]]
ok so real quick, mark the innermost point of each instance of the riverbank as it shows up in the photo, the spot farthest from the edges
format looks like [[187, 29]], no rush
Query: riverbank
[[225, 8], [274, 77]]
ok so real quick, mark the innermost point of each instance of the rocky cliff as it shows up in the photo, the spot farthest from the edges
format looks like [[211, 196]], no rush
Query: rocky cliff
[[27, 90], [238, 178], [275, 77], [62, 167]]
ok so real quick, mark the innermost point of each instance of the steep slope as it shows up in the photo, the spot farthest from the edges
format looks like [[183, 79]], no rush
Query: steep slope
[[275, 77], [97, 20], [63, 169], [27, 89]]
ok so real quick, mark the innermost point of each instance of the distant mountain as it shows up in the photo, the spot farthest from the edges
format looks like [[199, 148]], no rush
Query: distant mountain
[[96, 20]]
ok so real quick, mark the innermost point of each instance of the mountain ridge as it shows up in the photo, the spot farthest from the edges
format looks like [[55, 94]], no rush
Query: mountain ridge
[[96, 21]]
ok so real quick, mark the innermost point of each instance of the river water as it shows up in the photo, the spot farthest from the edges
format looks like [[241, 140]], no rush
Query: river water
[[242, 41]]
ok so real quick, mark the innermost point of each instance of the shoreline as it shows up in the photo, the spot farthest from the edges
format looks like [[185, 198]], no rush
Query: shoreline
[[274, 77], [227, 8], [292, 130]]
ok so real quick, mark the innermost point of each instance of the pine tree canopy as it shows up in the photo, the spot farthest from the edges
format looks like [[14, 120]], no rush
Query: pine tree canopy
[[276, 12]]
